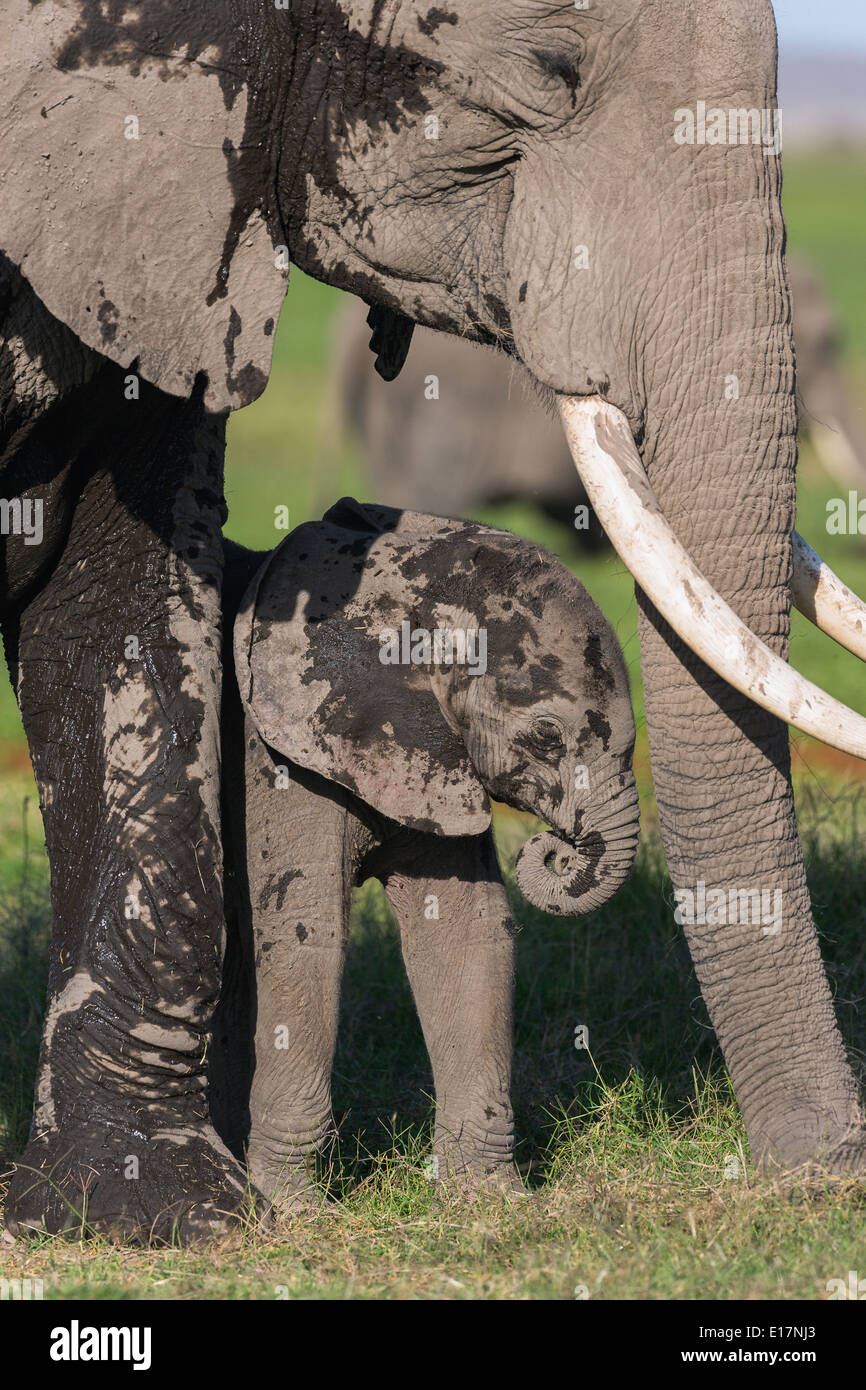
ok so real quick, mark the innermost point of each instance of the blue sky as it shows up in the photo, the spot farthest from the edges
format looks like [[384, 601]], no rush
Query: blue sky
[[832, 25]]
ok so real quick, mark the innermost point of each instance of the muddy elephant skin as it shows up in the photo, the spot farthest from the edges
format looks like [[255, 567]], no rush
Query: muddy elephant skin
[[354, 767]]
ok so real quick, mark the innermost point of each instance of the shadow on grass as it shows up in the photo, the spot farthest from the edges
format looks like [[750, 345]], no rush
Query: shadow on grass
[[25, 915], [623, 973]]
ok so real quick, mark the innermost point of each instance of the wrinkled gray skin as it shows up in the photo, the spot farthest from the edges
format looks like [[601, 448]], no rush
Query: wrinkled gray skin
[[468, 445], [304, 128], [548, 728]]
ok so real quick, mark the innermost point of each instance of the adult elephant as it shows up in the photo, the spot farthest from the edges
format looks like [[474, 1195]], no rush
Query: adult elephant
[[509, 172]]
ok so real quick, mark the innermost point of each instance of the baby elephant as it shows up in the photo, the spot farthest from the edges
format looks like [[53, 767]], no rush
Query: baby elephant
[[396, 670]]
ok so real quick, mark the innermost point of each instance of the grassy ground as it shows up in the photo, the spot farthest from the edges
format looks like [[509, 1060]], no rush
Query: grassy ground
[[638, 1184], [634, 1154]]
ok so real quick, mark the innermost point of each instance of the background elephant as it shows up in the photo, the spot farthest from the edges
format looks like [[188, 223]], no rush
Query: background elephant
[[454, 433], [455, 430], [356, 768], [505, 173], [831, 419]]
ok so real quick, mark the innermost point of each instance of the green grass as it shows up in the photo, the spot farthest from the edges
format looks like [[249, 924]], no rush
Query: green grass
[[640, 1220], [824, 198], [624, 1150], [634, 1155]]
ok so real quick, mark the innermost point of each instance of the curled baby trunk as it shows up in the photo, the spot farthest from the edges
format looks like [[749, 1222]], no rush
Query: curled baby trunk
[[569, 876]]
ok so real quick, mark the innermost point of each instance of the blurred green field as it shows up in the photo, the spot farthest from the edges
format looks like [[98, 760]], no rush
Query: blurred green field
[[628, 1150]]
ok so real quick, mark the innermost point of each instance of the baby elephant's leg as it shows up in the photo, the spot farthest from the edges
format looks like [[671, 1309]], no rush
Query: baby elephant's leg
[[458, 945], [299, 897]]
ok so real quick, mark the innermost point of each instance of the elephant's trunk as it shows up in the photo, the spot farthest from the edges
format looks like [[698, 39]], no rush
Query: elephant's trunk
[[722, 479], [569, 875]]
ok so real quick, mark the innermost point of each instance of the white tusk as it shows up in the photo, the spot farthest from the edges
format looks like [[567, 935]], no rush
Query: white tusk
[[821, 597], [613, 474]]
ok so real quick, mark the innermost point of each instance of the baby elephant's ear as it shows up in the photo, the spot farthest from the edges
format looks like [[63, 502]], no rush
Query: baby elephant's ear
[[307, 645]]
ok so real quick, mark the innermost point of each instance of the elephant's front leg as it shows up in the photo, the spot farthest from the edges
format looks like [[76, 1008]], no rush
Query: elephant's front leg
[[117, 676], [458, 940], [300, 868]]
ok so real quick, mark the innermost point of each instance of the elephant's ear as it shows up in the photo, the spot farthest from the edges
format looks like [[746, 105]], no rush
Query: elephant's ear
[[307, 645], [132, 179]]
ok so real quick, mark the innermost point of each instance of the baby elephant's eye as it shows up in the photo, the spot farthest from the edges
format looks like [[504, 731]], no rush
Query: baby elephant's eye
[[547, 736]]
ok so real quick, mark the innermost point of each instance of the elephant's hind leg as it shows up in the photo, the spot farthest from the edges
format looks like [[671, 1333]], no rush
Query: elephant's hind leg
[[116, 662]]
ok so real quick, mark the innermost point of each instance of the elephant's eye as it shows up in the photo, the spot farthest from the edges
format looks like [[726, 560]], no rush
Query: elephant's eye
[[561, 69], [547, 736]]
